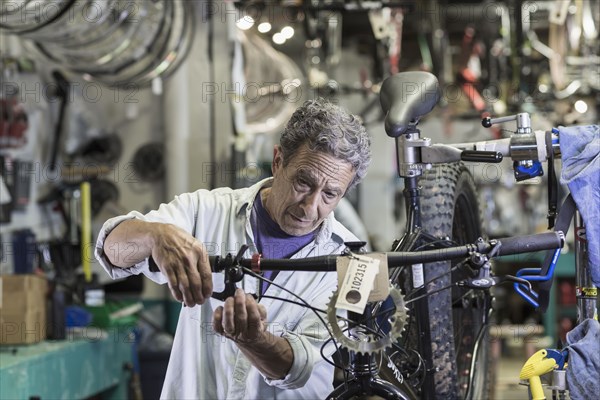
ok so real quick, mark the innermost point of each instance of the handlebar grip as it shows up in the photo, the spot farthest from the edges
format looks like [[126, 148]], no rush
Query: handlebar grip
[[531, 243], [481, 156]]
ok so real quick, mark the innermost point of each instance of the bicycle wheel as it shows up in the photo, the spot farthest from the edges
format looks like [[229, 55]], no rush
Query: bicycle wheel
[[457, 317]]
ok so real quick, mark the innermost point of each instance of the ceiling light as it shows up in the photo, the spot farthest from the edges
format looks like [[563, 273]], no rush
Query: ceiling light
[[245, 23], [287, 32], [278, 38], [264, 27], [581, 106]]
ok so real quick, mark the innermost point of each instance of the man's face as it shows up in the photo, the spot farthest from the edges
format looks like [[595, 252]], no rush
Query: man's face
[[306, 190]]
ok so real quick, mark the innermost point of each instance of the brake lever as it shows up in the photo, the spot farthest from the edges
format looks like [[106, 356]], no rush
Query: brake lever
[[233, 273], [512, 278], [489, 281]]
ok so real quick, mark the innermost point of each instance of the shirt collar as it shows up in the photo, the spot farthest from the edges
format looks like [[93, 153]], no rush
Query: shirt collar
[[246, 199]]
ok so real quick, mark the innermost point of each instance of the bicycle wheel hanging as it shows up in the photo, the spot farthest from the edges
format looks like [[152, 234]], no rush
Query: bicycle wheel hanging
[[21, 17], [459, 354], [115, 42]]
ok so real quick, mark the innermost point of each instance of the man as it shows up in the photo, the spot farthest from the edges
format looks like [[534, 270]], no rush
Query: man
[[243, 348]]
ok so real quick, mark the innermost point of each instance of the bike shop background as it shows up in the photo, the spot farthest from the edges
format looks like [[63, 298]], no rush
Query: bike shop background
[[104, 97]]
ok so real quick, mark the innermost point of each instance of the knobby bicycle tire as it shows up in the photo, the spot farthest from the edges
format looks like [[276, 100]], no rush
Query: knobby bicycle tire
[[449, 209]]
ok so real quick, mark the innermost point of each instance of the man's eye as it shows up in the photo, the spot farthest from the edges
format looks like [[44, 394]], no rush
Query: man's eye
[[330, 195], [301, 184]]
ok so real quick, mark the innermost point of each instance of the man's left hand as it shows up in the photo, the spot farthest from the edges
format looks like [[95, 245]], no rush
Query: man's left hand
[[241, 318]]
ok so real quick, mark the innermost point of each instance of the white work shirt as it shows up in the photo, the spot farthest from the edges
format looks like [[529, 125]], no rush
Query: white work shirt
[[205, 365]]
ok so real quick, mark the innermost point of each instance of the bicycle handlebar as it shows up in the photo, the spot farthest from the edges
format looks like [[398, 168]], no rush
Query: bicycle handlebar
[[531, 243], [505, 246]]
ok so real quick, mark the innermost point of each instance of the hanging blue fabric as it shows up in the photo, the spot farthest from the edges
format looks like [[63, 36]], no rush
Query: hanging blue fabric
[[580, 148]]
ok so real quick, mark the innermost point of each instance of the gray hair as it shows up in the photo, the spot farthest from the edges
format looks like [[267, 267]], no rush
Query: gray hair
[[328, 128]]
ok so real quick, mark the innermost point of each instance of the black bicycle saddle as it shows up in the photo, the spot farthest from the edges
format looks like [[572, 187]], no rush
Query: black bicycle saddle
[[405, 97]]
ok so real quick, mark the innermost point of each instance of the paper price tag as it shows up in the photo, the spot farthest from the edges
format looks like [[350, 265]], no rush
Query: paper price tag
[[381, 288], [357, 283]]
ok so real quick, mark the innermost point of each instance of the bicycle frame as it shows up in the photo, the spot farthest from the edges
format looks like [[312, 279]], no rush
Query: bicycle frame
[[409, 166], [415, 154], [586, 300], [406, 98]]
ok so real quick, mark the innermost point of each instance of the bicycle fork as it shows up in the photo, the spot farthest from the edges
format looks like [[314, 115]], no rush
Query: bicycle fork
[[366, 381], [365, 372]]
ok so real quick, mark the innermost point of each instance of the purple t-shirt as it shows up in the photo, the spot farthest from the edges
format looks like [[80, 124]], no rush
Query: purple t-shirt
[[271, 241]]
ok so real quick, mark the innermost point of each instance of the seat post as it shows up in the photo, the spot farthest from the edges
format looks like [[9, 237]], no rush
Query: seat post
[[408, 152]]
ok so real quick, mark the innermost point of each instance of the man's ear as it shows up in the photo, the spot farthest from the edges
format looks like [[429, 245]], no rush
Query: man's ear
[[277, 162]]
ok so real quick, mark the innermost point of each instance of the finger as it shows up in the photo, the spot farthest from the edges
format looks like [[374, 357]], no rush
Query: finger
[[228, 321], [195, 285], [252, 308], [262, 310], [175, 292], [241, 315], [172, 281], [218, 320], [255, 325], [205, 274], [184, 287]]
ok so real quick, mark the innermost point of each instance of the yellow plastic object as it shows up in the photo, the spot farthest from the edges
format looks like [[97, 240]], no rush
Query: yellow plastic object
[[86, 230], [536, 366]]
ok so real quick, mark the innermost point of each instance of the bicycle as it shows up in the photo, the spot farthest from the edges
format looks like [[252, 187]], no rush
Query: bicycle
[[363, 366], [440, 268]]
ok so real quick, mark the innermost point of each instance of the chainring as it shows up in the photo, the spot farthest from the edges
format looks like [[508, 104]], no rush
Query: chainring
[[369, 343]]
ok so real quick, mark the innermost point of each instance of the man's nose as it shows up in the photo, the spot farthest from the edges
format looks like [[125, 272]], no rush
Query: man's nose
[[310, 203]]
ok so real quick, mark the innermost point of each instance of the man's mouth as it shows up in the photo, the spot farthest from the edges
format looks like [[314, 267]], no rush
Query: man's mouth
[[300, 220]]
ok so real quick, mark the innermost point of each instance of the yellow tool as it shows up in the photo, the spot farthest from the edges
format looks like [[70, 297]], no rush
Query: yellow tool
[[86, 230], [536, 366]]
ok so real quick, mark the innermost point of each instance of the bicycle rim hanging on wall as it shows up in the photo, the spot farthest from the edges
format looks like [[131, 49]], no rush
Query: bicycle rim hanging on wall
[[115, 42]]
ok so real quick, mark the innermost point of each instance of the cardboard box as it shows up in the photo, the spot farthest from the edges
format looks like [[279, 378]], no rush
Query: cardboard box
[[22, 309]]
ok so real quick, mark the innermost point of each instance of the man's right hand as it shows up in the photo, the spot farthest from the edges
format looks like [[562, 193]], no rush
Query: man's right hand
[[178, 255], [184, 262]]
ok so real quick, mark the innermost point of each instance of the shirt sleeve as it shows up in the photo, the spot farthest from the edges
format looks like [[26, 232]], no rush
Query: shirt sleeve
[[180, 212], [310, 335], [306, 341]]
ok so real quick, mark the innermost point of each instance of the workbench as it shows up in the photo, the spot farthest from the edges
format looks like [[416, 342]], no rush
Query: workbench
[[92, 362]]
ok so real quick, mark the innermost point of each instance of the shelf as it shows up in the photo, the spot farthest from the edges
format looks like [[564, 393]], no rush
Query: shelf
[[75, 368]]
